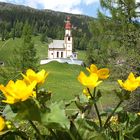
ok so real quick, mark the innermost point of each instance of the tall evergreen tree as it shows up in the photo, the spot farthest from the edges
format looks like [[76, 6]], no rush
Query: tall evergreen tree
[[117, 35], [28, 52]]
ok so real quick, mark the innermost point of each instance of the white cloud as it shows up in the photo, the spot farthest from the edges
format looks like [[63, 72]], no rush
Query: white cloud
[[59, 5], [70, 6], [88, 2]]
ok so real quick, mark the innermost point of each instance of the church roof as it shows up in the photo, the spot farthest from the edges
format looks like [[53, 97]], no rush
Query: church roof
[[57, 44]]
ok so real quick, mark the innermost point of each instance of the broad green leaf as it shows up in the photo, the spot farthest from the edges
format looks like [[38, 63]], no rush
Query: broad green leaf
[[132, 116], [119, 109], [28, 110], [56, 118], [86, 129], [134, 132], [93, 125], [4, 132], [8, 113], [99, 137]]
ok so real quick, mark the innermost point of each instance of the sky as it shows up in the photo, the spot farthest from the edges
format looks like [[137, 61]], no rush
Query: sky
[[84, 7]]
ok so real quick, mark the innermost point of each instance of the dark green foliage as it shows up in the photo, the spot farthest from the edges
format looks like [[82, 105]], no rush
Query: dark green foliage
[[28, 52], [44, 37], [115, 41]]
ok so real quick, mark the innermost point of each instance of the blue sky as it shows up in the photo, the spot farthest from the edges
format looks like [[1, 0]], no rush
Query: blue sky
[[86, 7]]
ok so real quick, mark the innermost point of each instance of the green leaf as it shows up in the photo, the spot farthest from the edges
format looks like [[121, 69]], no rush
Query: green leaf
[[43, 95], [132, 116], [82, 98], [119, 109], [98, 94], [8, 113], [74, 131], [86, 128], [134, 132], [4, 132], [99, 137], [28, 110], [122, 116], [93, 125], [56, 118], [11, 135], [80, 106], [103, 113]]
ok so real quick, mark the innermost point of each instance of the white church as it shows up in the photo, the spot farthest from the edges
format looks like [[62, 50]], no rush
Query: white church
[[61, 50]]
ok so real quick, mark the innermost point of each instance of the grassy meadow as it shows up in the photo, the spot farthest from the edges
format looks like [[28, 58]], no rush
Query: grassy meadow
[[62, 80]]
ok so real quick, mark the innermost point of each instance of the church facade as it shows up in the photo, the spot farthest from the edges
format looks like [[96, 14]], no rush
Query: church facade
[[63, 48]]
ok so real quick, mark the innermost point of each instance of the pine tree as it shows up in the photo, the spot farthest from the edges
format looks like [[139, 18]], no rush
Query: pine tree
[[117, 35], [28, 52], [122, 32]]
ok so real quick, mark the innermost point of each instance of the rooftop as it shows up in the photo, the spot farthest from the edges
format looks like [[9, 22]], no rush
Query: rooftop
[[57, 44]]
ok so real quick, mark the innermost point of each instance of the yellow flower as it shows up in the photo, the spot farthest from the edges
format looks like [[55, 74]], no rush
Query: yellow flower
[[102, 73], [130, 84], [114, 119], [86, 93], [18, 91], [138, 79], [90, 81], [138, 113], [2, 123], [32, 76]]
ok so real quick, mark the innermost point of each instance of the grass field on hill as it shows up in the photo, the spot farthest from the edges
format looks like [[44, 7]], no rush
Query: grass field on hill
[[8, 47], [62, 82], [62, 79]]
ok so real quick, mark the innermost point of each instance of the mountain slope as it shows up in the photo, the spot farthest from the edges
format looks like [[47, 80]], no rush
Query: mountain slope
[[13, 17]]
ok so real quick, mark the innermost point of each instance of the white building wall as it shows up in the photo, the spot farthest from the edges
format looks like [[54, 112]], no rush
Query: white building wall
[[67, 32], [68, 45], [50, 54], [57, 54]]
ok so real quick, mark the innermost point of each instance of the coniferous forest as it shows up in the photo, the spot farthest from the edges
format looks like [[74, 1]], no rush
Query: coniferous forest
[[45, 22]]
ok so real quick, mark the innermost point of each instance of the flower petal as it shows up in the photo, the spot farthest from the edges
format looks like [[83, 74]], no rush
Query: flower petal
[[103, 73], [2, 123]]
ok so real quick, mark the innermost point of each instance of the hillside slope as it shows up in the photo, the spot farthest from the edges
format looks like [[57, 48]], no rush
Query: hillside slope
[[13, 18]]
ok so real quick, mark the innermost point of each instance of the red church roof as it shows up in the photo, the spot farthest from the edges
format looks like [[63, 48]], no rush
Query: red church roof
[[68, 24]]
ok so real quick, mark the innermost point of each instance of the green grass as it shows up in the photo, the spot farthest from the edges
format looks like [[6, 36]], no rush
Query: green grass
[[42, 48], [8, 47], [62, 82], [62, 79], [109, 97]]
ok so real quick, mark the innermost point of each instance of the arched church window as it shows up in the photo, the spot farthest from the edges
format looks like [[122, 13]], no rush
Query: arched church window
[[57, 54], [69, 38], [61, 54]]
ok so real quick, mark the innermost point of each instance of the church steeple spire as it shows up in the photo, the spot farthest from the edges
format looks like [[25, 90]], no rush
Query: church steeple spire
[[68, 27]]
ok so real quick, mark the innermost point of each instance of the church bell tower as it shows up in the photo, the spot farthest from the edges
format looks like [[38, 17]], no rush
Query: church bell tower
[[68, 38]]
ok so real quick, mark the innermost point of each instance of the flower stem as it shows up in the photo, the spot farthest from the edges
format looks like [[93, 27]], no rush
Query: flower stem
[[98, 114], [96, 107], [106, 123], [37, 131]]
